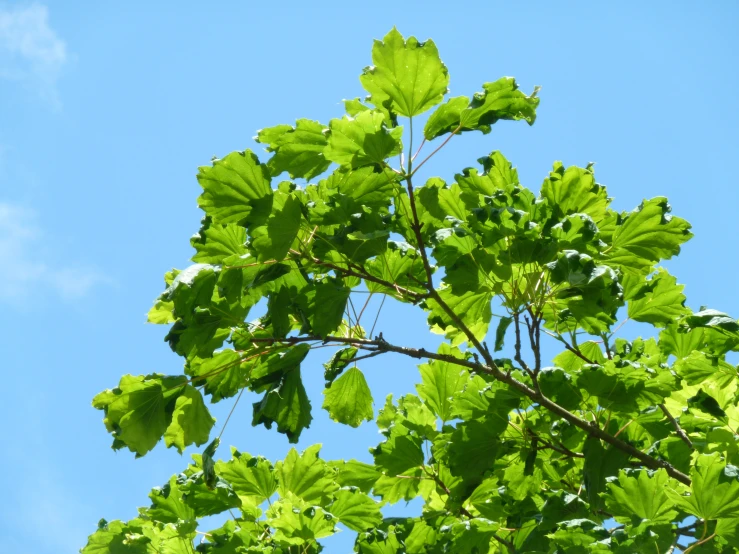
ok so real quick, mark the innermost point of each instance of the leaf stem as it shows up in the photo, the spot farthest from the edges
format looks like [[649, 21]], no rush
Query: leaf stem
[[442, 145], [233, 408], [419, 149], [700, 542]]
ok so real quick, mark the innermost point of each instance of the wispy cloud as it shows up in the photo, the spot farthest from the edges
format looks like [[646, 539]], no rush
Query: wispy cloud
[[30, 51], [26, 263]]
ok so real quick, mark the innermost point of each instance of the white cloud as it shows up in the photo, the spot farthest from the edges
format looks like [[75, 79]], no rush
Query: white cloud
[[30, 50], [25, 263]]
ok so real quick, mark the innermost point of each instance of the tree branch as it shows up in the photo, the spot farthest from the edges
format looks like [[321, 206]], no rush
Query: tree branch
[[678, 430], [517, 357], [420, 353], [416, 226]]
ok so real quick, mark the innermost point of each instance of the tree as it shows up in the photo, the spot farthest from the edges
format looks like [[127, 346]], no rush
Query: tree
[[617, 445]]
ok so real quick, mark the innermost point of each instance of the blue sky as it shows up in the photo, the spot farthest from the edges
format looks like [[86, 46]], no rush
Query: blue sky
[[107, 109]]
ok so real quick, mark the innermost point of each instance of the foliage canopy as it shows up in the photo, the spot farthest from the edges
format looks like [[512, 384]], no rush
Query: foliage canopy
[[617, 445]]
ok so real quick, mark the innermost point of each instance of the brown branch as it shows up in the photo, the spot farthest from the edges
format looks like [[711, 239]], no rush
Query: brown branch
[[678, 430], [577, 352], [517, 346], [432, 292], [420, 353], [561, 449], [535, 339]]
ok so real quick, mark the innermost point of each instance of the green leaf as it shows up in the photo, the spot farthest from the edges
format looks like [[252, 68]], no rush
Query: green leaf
[[640, 494], [161, 313], [142, 409], [354, 106], [366, 186], [356, 510], [728, 529], [398, 454], [209, 464], [362, 140], [600, 463], [285, 404], [659, 301], [441, 382], [407, 76], [473, 309], [399, 264], [208, 499], [558, 385], [224, 374], [356, 474], [589, 295], [500, 331], [647, 235], [349, 400], [214, 243], [236, 189], [627, 387], [474, 446], [571, 362], [499, 100], [499, 175], [473, 536], [338, 362], [699, 368], [708, 404], [273, 240], [579, 533], [167, 505], [712, 319], [109, 539], [252, 478], [306, 476], [298, 525], [680, 342], [482, 399], [192, 289], [330, 301], [200, 336], [231, 538], [714, 492], [573, 190], [191, 420], [273, 366], [446, 117], [298, 150], [405, 486]]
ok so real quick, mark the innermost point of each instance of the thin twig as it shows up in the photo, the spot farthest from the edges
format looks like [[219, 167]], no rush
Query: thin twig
[[366, 303], [377, 316], [419, 149], [700, 542], [517, 346], [678, 430], [442, 145], [370, 355], [231, 413]]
